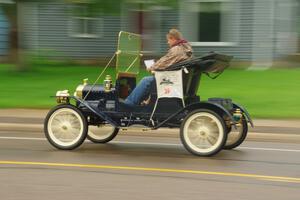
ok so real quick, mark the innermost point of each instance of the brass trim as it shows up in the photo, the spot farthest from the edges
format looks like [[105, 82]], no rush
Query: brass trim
[[85, 81], [62, 96], [79, 91]]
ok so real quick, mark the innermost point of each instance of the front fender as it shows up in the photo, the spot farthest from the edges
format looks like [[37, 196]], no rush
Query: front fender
[[246, 113]]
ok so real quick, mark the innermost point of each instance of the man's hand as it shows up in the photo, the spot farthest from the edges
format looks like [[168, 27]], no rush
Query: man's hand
[[150, 70], [147, 101]]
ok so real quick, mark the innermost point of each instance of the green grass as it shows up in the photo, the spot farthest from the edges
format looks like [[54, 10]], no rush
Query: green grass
[[266, 94], [33, 89]]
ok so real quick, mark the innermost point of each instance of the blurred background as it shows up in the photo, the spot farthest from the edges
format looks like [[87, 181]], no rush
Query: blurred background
[[47, 46]]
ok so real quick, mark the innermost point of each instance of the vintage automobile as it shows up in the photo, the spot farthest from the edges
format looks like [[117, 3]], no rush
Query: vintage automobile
[[206, 127]]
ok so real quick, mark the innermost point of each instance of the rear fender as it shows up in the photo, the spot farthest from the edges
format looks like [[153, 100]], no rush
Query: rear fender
[[223, 112]]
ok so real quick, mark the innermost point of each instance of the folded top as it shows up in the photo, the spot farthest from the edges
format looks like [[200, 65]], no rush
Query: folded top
[[209, 63]]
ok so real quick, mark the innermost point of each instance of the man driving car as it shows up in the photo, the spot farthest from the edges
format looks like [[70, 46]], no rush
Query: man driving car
[[179, 50]]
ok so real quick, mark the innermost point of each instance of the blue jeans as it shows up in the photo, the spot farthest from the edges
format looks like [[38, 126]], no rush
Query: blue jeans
[[141, 91]]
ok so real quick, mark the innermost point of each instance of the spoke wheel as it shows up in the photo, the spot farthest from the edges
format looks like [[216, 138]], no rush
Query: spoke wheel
[[236, 136], [203, 132], [102, 133], [65, 127]]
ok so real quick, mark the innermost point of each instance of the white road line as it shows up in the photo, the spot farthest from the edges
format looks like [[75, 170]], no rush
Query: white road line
[[21, 138], [270, 149], [172, 144], [156, 143], [146, 143]]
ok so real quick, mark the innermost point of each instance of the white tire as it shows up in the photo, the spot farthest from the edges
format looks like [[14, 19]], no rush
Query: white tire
[[236, 137], [102, 133], [65, 127], [203, 132]]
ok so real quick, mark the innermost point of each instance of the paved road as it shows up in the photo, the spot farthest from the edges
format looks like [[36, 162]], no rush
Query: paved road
[[139, 167]]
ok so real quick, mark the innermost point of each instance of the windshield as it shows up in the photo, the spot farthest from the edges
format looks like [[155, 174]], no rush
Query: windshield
[[128, 54]]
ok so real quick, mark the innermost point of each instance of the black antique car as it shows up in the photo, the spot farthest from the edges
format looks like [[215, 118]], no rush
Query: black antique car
[[206, 127]]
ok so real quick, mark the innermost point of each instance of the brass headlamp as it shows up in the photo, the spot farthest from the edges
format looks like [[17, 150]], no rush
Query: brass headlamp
[[62, 96]]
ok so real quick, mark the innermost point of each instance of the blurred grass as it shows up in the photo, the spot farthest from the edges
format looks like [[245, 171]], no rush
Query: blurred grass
[[33, 89], [266, 94], [272, 93]]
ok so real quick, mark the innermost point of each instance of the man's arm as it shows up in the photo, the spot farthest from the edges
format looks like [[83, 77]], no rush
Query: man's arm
[[170, 58]]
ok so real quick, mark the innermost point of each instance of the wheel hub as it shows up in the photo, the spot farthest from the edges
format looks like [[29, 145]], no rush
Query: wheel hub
[[203, 132], [64, 127]]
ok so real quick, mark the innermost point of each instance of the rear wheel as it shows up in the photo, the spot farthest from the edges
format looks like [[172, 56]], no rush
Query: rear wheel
[[65, 127], [102, 133], [202, 132], [236, 136]]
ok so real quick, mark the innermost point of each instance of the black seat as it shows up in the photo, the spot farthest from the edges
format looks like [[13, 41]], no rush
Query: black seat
[[212, 63]]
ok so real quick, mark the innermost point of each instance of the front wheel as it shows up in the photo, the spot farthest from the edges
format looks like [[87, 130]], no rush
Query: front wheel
[[102, 133], [202, 132], [65, 127]]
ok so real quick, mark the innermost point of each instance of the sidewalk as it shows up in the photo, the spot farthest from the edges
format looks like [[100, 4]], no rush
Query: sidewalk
[[20, 119]]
